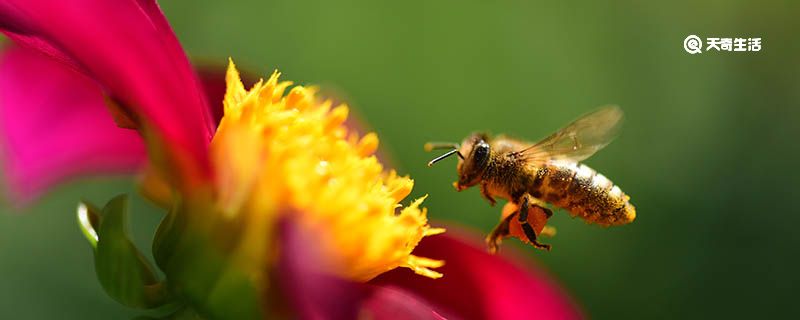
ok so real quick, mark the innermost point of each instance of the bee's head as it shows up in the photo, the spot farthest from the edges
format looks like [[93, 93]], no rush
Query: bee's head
[[470, 167]]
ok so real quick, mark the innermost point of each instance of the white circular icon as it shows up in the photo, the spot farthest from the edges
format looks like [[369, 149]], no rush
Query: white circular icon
[[692, 44]]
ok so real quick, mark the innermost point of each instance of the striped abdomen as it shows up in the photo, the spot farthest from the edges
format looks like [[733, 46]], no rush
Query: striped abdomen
[[582, 191]]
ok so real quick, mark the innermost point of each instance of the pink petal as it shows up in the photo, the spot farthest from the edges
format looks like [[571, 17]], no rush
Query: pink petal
[[128, 47], [313, 294], [478, 285], [55, 125], [393, 303]]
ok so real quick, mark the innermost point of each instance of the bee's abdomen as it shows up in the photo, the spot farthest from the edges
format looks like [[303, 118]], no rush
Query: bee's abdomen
[[583, 192]]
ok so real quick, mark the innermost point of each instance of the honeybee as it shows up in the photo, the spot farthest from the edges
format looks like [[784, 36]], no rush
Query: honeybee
[[530, 174]]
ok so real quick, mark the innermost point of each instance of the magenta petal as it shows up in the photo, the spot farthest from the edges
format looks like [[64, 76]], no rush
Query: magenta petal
[[55, 125], [314, 294], [392, 303], [129, 49], [478, 285]]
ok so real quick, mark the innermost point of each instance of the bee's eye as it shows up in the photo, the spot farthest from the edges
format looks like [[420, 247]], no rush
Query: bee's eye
[[481, 153]]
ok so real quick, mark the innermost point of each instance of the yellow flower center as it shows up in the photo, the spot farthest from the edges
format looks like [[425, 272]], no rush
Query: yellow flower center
[[291, 154]]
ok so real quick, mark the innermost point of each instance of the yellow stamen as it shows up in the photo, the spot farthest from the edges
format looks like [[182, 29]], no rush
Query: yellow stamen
[[274, 152]]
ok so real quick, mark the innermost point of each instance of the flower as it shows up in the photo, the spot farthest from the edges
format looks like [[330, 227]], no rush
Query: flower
[[123, 51], [273, 151], [283, 204]]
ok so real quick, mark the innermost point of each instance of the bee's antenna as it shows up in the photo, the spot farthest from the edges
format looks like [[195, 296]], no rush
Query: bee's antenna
[[440, 145], [449, 153]]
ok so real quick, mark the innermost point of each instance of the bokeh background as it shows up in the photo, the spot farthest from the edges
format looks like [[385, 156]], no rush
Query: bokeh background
[[708, 151]]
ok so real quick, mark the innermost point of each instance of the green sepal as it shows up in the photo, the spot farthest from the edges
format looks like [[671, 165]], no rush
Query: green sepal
[[196, 247], [124, 273]]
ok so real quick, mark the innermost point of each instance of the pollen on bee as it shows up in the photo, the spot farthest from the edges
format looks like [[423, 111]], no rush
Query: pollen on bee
[[537, 218]]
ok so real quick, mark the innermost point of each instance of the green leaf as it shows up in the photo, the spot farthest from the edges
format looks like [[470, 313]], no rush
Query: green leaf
[[123, 271]]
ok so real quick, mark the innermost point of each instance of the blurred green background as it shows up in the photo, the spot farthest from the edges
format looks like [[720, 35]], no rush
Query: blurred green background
[[707, 152]]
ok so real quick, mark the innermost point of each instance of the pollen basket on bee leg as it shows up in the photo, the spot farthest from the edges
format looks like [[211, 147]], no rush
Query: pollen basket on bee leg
[[537, 218]]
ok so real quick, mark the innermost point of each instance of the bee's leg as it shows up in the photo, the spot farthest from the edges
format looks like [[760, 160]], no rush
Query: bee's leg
[[538, 203], [522, 217], [534, 202], [486, 195], [547, 212], [500, 231]]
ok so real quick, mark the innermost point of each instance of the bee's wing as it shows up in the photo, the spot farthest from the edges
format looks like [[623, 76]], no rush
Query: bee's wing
[[578, 140]]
